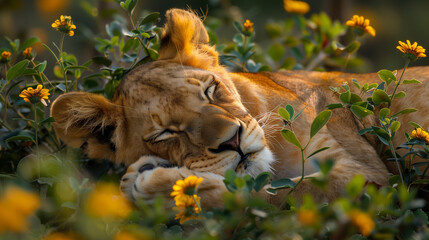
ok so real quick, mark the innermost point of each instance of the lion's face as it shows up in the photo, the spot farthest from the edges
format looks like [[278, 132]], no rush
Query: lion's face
[[191, 117], [183, 108]]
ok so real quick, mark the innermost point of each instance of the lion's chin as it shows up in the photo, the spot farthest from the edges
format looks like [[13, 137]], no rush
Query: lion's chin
[[255, 163]]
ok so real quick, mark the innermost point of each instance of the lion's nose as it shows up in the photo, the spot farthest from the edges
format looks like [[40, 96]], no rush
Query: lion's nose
[[232, 144]]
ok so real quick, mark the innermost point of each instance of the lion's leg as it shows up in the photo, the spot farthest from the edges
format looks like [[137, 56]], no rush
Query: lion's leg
[[151, 176]]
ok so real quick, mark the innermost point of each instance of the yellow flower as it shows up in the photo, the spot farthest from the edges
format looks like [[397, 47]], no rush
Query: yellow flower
[[62, 236], [106, 201], [297, 7], [64, 25], [307, 217], [362, 221], [5, 55], [420, 134], [360, 22], [35, 95], [27, 53], [188, 209], [186, 188], [16, 205], [248, 25], [412, 51]]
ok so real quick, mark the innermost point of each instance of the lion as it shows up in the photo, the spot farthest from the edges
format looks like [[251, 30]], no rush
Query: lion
[[185, 114]]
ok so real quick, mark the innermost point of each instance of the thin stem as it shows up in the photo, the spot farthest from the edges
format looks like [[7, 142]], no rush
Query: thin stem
[[400, 79], [243, 66], [36, 131], [62, 61], [392, 149]]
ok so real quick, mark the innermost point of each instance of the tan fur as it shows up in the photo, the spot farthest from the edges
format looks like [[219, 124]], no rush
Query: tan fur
[[171, 93]]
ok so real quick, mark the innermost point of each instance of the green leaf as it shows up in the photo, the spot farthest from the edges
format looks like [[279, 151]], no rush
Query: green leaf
[[74, 184], [360, 112], [261, 180], [345, 97], [384, 112], [238, 27], [47, 120], [290, 137], [365, 130], [284, 114], [394, 126], [405, 111], [380, 96], [29, 42], [319, 122], [102, 61], [354, 98], [283, 183], [414, 124], [17, 70], [355, 186], [276, 51], [290, 110], [356, 83], [334, 105], [412, 81], [400, 94], [381, 134], [299, 113], [353, 47], [151, 18], [239, 182], [395, 179], [387, 76], [318, 151], [20, 138], [297, 53]]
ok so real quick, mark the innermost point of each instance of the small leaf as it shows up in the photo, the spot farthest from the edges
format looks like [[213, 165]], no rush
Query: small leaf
[[319, 122], [290, 137], [354, 98], [355, 186], [360, 112], [70, 205], [29, 42], [356, 83], [62, 87], [47, 120], [276, 51], [353, 47], [345, 97], [284, 114], [416, 125], [290, 110], [394, 126], [412, 81], [261, 180], [334, 105], [17, 70], [380, 96], [405, 111], [102, 61], [384, 112], [387, 76], [400, 94], [283, 183], [317, 151], [365, 130], [19, 138], [299, 113], [151, 18]]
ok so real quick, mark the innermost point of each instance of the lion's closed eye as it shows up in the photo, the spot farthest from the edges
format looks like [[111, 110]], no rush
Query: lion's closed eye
[[162, 136]]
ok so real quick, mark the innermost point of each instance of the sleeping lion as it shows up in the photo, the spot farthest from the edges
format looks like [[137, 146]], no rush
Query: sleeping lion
[[184, 114]]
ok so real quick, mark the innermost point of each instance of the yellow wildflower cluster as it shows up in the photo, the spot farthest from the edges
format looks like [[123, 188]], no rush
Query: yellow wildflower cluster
[[5, 55], [359, 22], [297, 7], [107, 202], [362, 221], [420, 134], [187, 202], [413, 51], [35, 95], [16, 205], [64, 25], [27, 53], [248, 26]]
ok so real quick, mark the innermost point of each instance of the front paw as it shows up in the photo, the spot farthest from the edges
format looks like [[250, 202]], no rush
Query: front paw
[[138, 169]]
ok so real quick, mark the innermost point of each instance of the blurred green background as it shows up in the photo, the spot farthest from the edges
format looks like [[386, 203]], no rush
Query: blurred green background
[[393, 20]]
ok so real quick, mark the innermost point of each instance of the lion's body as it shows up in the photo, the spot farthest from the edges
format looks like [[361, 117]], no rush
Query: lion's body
[[186, 115]]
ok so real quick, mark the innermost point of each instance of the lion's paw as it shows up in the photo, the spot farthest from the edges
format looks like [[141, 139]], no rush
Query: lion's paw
[[133, 182]]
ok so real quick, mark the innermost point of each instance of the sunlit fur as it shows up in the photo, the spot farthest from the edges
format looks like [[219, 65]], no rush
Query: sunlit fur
[[162, 113]]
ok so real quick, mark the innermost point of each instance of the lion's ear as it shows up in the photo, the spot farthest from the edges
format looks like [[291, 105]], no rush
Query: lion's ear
[[185, 40], [88, 121]]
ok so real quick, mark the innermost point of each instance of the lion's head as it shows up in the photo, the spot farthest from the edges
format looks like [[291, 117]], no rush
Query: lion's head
[[183, 108]]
